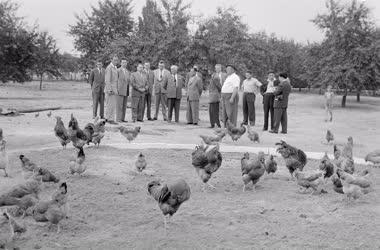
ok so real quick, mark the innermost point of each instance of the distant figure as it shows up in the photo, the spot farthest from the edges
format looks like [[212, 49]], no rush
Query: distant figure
[[111, 76], [329, 96], [194, 91], [96, 80], [160, 81], [148, 95], [251, 87], [124, 78], [267, 90], [230, 96], [174, 93], [139, 82], [281, 104], [215, 89]]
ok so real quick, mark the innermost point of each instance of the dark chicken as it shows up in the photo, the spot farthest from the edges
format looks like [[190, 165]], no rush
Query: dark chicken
[[294, 158], [235, 132], [61, 132]]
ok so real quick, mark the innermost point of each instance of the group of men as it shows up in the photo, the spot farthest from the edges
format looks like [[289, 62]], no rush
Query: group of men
[[113, 85]]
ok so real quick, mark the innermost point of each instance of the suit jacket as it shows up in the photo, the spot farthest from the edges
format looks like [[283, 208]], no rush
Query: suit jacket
[[215, 87], [282, 94], [124, 77], [139, 82], [160, 82], [194, 88], [97, 80], [111, 76], [175, 90], [150, 76]]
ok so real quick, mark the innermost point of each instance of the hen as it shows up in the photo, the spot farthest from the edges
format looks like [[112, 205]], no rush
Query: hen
[[308, 180], [13, 196], [212, 140], [373, 157], [294, 157], [169, 196], [253, 135], [14, 226], [337, 184], [27, 166], [1, 132], [270, 165], [252, 170], [76, 165], [129, 133], [235, 132], [76, 135], [140, 163], [220, 131], [49, 114], [46, 175], [3, 157], [206, 161], [61, 132], [89, 131], [326, 166], [99, 131], [347, 149], [329, 136], [343, 162]]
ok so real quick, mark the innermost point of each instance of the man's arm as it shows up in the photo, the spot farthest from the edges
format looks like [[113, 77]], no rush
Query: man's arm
[[279, 90], [91, 79], [200, 86], [234, 94]]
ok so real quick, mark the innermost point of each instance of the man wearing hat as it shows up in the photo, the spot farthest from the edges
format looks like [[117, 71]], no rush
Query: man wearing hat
[[230, 96], [194, 91], [161, 76], [281, 104]]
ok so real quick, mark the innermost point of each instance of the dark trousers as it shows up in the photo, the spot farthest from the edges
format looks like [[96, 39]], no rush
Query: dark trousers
[[268, 100], [161, 99], [214, 114], [173, 104], [121, 107], [148, 103], [249, 108], [98, 100], [138, 107], [192, 112], [280, 116]]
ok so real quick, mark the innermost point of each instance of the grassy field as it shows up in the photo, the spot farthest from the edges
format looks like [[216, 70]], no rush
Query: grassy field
[[110, 209]]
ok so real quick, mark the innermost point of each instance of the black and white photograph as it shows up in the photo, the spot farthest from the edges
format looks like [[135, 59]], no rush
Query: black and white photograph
[[189, 124]]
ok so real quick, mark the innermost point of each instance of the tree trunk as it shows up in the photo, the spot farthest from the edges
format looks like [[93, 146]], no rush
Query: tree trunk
[[358, 96], [299, 89], [320, 91], [41, 81], [344, 98]]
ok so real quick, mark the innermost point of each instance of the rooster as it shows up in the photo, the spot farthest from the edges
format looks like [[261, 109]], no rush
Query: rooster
[[235, 132], [99, 131], [3, 157], [294, 158], [76, 165], [253, 135], [76, 135], [129, 133], [206, 161], [252, 170], [61, 132], [169, 196]]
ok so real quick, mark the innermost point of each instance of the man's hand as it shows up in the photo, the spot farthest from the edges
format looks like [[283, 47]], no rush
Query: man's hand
[[231, 100]]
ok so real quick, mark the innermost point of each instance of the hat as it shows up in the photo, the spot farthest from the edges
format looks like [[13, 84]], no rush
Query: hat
[[230, 65], [161, 62]]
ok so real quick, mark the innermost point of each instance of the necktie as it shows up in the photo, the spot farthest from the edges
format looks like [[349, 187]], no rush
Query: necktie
[[175, 80], [160, 75]]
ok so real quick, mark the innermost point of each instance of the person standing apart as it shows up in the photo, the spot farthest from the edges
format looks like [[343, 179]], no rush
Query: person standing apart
[[194, 91], [148, 96], [215, 88], [281, 104], [97, 87], [111, 76], [230, 96], [160, 81], [268, 100], [174, 93], [329, 96], [124, 77], [251, 87], [139, 84]]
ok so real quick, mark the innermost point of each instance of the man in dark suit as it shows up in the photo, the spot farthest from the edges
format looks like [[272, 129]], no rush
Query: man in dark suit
[[215, 88], [267, 91], [123, 79], [281, 104], [148, 96], [139, 84], [97, 86], [194, 91], [174, 93]]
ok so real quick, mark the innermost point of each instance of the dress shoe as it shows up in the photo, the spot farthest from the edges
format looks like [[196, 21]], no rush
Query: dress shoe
[[189, 123], [273, 132], [195, 124], [140, 120], [265, 129], [155, 119], [112, 122], [282, 132], [245, 123], [150, 119], [211, 127], [165, 119]]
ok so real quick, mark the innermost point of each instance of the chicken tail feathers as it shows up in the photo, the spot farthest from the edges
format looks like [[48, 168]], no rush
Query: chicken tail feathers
[[165, 194]]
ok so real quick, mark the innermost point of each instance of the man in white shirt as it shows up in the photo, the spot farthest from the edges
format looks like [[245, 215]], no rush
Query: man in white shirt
[[230, 96], [111, 77], [251, 87], [268, 100]]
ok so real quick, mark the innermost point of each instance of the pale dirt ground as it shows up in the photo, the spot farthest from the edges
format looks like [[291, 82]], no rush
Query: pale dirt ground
[[110, 208]]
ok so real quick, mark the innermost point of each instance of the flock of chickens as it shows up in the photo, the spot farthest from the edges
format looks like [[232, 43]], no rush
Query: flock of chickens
[[206, 160]]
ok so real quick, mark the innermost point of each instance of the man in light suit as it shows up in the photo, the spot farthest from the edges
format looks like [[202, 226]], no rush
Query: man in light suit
[[139, 83], [111, 76], [97, 86], [216, 83], [174, 93], [123, 80], [160, 82], [148, 96], [194, 91]]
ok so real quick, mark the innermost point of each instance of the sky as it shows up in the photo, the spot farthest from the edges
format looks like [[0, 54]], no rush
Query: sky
[[286, 18]]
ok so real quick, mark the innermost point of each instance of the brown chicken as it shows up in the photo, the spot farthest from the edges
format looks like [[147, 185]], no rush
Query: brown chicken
[[235, 132], [14, 226], [206, 161], [373, 157], [99, 131], [220, 131], [343, 162], [294, 157], [76, 135], [76, 165], [212, 140], [270, 165], [27, 165], [46, 175], [129, 133], [326, 166], [329, 136], [61, 132], [169, 196], [337, 184], [307, 181], [1, 134], [12, 197], [253, 135], [89, 131], [140, 163], [252, 170], [3, 157], [348, 147]]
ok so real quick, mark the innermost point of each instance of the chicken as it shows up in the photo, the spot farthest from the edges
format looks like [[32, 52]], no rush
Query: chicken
[[99, 131], [212, 140], [354, 186], [253, 135], [329, 136], [206, 161], [129, 133], [235, 132], [4, 162], [89, 131], [76, 135], [30, 187], [343, 162], [46, 175], [308, 180], [61, 132], [15, 227], [37, 115], [337, 184], [359, 180], [1, 134], [76, 165], [220, 131], [140, 163], [326, 166], [270, 165], [27, 165], [252, 170], [49, 114], [337, 152], [169, 196], [294, 157], [347, 149], [373, 157]]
